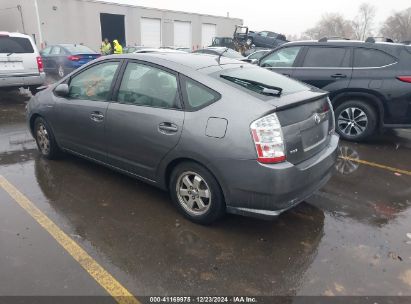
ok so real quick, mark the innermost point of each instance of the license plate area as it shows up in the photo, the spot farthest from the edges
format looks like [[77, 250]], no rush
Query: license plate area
[[314, 136], [11, 65]]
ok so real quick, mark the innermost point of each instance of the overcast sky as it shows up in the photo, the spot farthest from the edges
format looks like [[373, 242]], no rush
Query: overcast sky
[[286, 16]]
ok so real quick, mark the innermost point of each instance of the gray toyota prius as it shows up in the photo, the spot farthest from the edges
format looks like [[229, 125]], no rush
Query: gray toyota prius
[[219, 134]]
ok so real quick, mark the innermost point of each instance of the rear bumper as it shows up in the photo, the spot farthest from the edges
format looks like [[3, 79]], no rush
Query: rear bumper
[[22, 81], [268, 190]]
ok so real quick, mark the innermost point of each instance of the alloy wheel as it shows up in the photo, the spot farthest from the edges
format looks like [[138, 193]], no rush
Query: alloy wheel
[[43, 140], [193, 193], [352, 121], [347, 161]]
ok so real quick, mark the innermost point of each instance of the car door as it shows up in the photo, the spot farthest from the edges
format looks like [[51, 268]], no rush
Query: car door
[[282, 60], [54, 58], [145, 121], [79, 118], [45, 57], [325, 67], [261, 39]]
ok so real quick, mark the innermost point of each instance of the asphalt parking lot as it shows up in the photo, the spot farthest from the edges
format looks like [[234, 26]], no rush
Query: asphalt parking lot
[[350, 238]]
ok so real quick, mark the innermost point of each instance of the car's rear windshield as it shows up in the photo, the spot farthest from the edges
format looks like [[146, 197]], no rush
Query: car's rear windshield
[[18, 45], [262, 76], [78, 49]]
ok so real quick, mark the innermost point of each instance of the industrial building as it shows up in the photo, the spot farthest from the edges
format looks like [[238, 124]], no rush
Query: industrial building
[[89, 21]]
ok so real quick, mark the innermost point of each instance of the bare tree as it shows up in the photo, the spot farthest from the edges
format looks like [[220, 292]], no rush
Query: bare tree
[[363, 22], [331, 25], [398, 26]]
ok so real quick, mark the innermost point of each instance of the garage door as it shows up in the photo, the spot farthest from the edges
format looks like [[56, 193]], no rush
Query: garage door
[[208, 32], [182, 34], [151, 32]]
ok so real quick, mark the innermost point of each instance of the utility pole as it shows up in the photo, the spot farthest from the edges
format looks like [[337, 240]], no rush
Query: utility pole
[[21, 17], [38, 23]]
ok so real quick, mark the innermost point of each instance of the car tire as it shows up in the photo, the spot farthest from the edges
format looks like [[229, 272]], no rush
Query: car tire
[[355, 120], [196, 193], [60, 71], [45, 140]]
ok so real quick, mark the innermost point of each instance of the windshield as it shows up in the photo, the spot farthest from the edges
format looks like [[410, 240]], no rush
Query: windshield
[[78, 49], [261, 79]]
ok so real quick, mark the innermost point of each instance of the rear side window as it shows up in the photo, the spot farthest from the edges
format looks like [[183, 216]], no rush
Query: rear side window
[[197, 95], [16, 45], [367, 58], [326, 57], [283, 58]]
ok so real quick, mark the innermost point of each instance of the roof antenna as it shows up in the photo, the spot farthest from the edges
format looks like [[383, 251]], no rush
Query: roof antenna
[[221, 54]]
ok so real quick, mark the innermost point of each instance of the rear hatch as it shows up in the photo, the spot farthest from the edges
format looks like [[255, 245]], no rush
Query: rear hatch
[[17, 57], [307, 120], [303, 111]]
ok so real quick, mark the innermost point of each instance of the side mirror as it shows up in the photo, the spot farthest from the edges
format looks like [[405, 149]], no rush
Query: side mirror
[[62, 90]]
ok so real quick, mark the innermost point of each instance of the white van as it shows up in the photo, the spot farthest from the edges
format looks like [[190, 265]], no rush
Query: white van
[[20, 62]]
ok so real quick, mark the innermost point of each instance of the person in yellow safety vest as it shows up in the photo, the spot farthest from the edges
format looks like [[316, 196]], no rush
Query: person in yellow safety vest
[[118, 49], [105, 47]]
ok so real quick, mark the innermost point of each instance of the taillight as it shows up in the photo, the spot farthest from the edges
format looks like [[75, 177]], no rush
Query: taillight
[[73, 58], [40, 64], [404, 78], [268, 139]]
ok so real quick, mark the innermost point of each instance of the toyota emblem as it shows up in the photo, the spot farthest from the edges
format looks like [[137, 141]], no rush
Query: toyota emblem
[[317, 118]]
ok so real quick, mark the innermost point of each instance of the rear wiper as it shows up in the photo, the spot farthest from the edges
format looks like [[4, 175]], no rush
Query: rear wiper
[[266, 89]]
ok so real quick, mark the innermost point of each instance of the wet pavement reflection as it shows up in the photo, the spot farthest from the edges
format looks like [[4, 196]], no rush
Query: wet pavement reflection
[[348, 239]]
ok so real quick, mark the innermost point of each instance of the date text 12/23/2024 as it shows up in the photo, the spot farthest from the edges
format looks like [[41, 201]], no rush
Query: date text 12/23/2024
[[203, 299]]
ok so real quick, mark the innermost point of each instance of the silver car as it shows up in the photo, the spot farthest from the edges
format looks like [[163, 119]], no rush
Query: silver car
[[219, 134], [20, 62]]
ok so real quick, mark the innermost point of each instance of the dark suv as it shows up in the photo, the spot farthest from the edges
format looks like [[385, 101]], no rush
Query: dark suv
[[369, 82]]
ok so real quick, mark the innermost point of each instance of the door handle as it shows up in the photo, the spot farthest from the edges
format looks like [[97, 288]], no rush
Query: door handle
[[167, 128], [96, 116], [286, 75], [339, 76]]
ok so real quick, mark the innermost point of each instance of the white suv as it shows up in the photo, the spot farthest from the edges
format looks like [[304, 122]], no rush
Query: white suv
[[20, 62]]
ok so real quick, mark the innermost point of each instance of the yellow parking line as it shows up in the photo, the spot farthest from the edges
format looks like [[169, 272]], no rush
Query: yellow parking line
[[105, 279], [364, 162]]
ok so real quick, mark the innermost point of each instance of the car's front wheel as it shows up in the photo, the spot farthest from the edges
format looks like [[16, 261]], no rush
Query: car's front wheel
[[196, 193], [356, 120], [45, 140]]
